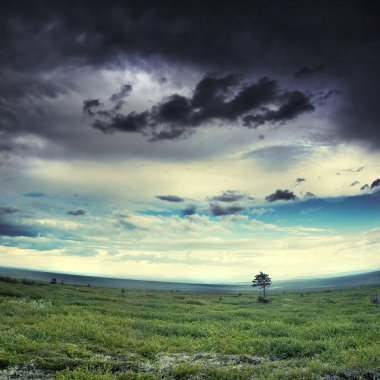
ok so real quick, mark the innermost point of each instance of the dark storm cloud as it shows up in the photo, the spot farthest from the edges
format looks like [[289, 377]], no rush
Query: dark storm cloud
[[12, 230], [92, 33], [230, 196], [320, 97], [218, 210], [375, 183], [354, 170], [21, 104], [90, 106], [295, 103], [76, 212], [125, 90], [110, 122], [190, 210], [9, 226], [308, 71], [118, 97], [8, 210], [222, 98], [170, 198], [354, 183], [364, 187], [309, 194], [281, 195], [300, 180], [175, 110], [17, 86], [41, 37]]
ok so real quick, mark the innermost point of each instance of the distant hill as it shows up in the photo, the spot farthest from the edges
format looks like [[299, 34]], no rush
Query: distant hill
[[347, 281]]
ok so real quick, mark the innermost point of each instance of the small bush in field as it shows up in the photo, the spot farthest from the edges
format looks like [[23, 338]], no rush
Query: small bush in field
[[374, 299], [263, 299], [9, 280]]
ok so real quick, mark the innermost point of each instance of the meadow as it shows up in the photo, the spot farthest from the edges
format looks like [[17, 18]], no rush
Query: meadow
[[78, 332]]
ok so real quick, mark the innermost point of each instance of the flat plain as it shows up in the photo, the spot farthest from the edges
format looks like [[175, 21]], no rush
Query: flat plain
[[85, 332]]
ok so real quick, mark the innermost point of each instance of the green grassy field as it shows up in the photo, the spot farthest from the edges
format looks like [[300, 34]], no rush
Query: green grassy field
[[77, 332]]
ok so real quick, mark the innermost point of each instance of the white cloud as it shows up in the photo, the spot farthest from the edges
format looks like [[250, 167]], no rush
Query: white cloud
[[199, 248]]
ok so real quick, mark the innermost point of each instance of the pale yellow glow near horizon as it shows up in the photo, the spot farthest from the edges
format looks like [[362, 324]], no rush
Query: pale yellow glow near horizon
[[282, 258], [142, 179]]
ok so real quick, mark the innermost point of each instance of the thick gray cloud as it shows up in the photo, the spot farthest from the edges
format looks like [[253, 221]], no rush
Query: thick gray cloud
[[170, 198], [110, 122], [218, 210], [354, 170], [76, 212], [11, 226], [221, 98], [125, 90], [375, 183], [309, 71], [90, 106], [300, 180], [295, 103], [10, 229], [8, 210], [281, 195], [42, 42], [190, 210], [230, 196], [81, 32]]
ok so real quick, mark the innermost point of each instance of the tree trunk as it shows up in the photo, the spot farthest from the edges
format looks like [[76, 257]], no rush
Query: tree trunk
[[264, 291]]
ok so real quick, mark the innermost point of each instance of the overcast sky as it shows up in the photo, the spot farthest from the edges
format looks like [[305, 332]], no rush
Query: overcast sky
[[197, 141]]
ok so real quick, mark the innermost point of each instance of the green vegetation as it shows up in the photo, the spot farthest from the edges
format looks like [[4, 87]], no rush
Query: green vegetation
[[262, 280], [79, 332]]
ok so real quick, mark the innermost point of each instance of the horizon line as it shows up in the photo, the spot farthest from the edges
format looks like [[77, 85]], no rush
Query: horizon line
[[293, 279]]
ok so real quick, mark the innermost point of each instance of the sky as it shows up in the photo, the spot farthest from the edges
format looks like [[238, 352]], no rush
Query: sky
[[201, 141]]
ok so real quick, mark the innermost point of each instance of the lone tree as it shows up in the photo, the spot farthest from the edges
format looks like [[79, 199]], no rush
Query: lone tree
[[261, 280]]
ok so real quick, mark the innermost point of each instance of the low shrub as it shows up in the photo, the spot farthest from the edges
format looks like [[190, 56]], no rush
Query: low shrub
[[263, 299], [25, 281], [9, 280]]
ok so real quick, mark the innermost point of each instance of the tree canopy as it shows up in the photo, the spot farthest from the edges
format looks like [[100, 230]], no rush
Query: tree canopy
[[261, 280]]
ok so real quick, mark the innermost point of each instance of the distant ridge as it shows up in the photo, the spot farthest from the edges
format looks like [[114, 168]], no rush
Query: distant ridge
[[346, 281], [341, 281]]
